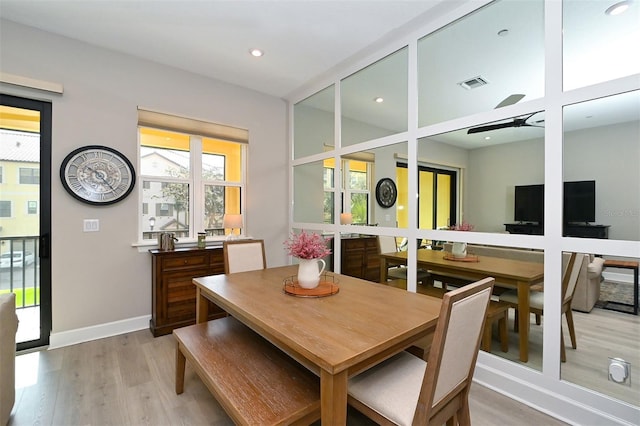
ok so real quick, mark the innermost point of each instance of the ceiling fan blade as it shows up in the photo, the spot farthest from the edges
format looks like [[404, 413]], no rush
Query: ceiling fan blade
[[490, 127], [510, 100]]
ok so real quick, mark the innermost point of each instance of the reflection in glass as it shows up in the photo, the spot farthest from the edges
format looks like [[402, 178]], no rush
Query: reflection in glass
[[374, 100], [601, 147], [593, 37], [490, 58], [605, 327], [313, 124], [470, 175], [309, 193], [361, 172]]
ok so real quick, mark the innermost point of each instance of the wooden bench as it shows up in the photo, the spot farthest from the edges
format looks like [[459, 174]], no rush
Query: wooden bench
[[496, 311], [255, 382]]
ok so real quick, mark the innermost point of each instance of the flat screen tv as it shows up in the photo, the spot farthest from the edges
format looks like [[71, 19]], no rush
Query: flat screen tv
[[529, 204], [580, 201]]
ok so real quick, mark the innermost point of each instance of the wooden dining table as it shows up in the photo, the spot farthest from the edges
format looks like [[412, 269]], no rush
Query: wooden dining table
[[334, 336], [514, 274]]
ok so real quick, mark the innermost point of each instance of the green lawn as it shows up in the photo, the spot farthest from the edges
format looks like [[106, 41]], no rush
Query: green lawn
[[30, 295]]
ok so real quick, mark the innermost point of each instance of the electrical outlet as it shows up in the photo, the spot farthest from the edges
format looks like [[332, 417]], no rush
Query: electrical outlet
[[619, 371], [91, 225]]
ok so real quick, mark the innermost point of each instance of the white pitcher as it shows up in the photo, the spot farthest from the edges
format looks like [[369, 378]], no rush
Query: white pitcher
[[309, 271], [459, 250]]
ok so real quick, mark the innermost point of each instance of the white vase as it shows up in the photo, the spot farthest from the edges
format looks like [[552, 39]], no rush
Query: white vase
[[309, 271], [459, 250]]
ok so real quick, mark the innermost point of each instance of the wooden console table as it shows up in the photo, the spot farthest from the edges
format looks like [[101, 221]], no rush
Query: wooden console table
[[626, 264], [173, 295]]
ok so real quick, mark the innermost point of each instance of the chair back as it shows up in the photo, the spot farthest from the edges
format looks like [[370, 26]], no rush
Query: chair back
[[453, 354], [571, 273], [243, 255], [387, 244]]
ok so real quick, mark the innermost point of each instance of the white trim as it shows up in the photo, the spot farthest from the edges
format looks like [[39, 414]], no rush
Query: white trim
[[99, 331], [32, 83]]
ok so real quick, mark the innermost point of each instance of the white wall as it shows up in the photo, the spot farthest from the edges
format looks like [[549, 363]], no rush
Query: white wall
[[100, 278]]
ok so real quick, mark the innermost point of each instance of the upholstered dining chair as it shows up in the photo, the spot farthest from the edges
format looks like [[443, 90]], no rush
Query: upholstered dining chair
[[405, 390], [243, 255], [571, 264], [387, 244]]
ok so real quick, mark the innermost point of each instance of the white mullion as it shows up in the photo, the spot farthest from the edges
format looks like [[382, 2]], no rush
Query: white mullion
[[196, 187]]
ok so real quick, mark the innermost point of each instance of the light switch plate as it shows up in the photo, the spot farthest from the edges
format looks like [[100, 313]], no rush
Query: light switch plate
[[91, 225]]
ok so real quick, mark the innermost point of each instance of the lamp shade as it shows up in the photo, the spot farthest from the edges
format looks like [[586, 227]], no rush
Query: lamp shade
[[345, 218], [232, 221]]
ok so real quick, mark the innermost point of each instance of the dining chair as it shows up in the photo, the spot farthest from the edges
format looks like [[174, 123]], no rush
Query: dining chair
[[405, 390], [243, 255], [388, 244], [572, 262]]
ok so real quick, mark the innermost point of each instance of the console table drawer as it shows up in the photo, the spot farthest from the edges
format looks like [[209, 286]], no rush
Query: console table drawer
[[179, 262]]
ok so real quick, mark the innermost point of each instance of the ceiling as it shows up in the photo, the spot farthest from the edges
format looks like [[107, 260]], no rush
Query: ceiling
[[302, 39], [305, 40]]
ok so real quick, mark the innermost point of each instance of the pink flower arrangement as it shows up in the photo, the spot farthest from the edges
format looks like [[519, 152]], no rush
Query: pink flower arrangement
[[307, 246], [464, 226]]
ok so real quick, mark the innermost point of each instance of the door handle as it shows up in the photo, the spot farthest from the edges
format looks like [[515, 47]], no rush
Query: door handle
[[44, 246]]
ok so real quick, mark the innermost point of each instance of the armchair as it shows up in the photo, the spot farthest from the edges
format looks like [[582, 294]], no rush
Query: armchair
[[588, 286], [8, 329]]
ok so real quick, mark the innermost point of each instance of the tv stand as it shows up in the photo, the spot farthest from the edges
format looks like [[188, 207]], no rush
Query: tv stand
[[585, 230], [569, 230], [525, 228]]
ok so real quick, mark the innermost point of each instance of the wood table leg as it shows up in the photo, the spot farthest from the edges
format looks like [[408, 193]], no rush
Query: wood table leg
[[333, 398], [383, 270], [180, 367], [523, 319], [202, 307]]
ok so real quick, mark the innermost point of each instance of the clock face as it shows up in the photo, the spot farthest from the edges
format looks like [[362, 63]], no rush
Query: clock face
[[386, 192], [97, 175]]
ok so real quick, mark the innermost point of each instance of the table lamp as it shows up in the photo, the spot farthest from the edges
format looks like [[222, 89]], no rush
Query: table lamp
[[232, 221], [346, 218]]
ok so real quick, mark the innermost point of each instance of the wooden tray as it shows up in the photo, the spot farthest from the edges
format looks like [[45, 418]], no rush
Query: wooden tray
[[469, 258], [328, 286]]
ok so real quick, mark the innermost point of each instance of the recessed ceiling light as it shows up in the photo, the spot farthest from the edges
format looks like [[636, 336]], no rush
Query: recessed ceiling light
[[618, 8], [486, 138], [379, 100], [256, 52]]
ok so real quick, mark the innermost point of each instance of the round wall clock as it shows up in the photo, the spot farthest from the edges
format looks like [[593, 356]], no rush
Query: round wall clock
[[97, 175], [386, 192]]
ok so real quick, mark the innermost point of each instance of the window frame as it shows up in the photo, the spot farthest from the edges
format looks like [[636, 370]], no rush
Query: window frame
[[196, 184]]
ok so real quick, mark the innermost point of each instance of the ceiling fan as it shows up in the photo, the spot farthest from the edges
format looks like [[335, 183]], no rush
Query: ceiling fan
[[516, 122]]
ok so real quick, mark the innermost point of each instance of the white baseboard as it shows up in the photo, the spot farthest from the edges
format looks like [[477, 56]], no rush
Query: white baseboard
[[100, 331]]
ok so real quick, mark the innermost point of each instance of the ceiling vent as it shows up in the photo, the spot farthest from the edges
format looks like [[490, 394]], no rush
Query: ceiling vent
[[473, 83]]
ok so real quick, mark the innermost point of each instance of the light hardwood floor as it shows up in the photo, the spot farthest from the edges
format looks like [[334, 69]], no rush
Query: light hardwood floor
[[129, 380], [601, 334]]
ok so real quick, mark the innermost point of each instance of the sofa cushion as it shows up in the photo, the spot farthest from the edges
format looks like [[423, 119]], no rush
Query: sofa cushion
[[8, 328]]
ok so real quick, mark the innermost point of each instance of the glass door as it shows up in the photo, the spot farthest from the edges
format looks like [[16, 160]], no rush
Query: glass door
[[25, 214]]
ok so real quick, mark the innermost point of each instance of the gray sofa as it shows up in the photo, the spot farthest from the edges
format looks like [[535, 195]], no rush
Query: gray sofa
[[588, 288], [8, 329]]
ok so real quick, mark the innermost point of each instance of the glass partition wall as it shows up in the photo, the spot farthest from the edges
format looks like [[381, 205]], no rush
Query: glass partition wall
[[460, 125]]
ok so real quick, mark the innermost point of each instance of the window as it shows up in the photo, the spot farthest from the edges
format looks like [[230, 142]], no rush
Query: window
[[29, 176], [329, 189], [188, 181], [5, 208], [356, 184], [357, 189], [32, 207]]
